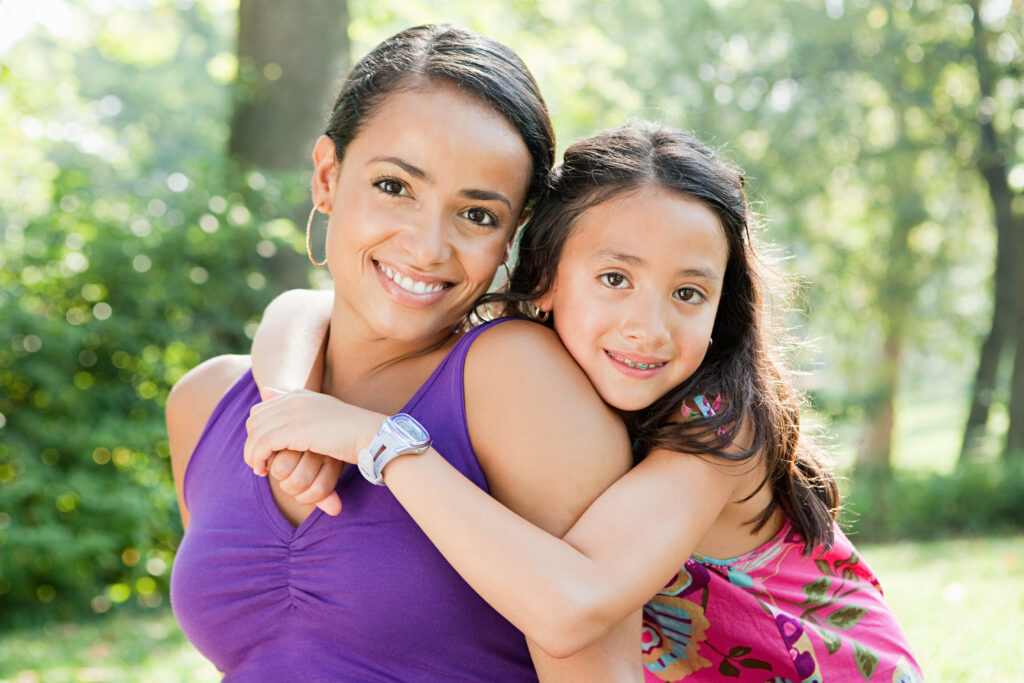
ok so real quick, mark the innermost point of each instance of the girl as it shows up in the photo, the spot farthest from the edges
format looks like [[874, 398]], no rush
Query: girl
[[436, 148], [643, 258]]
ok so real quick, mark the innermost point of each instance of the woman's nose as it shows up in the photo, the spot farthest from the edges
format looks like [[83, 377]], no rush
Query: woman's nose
[[427, 241]]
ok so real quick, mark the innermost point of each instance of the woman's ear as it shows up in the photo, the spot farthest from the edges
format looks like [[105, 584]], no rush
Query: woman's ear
[[325, 173]]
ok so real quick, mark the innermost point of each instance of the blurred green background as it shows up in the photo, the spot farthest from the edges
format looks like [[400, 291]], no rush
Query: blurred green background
[[154, 188]]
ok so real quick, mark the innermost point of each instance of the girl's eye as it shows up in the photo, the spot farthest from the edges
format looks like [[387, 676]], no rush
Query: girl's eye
[[390, 186], [614, 280], [689, 295], [480, 217]]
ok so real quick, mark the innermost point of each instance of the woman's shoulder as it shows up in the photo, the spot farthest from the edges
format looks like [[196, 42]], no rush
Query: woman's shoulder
[[517, 340], [194, 397], [547, 443], [519, 359]]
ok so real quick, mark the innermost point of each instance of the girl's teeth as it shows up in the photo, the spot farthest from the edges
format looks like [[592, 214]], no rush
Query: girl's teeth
[[638, 366]]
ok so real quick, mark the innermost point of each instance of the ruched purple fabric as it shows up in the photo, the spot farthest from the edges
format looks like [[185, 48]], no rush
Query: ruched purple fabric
[[359, 597]]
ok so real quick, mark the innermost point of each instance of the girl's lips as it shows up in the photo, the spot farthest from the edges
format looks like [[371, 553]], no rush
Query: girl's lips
[[410, 291], [637, 367]]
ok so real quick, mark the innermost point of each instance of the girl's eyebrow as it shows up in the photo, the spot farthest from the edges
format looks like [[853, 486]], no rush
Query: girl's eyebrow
[[634, 260], [420, 174]]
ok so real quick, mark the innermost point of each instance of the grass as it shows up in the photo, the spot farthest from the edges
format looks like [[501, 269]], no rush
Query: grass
[[124, 646], [961, 603]]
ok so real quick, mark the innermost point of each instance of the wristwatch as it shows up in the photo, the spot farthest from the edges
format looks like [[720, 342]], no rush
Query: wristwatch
[[400, 434]]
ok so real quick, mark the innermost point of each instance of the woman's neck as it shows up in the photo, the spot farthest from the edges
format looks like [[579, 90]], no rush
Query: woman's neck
[[363, 368]]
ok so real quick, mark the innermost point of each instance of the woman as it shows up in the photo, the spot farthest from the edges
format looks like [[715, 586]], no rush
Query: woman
[[437, 145]]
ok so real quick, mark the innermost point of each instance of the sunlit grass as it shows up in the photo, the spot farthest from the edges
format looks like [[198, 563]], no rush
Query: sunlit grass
[[127, 646], [961, 603]]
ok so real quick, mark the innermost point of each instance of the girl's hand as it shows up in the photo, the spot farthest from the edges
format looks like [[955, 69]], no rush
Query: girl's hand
[[303, 421], [310, 478]]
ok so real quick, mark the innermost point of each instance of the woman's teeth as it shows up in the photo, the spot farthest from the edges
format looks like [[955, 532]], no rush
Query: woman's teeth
[[410, 285]]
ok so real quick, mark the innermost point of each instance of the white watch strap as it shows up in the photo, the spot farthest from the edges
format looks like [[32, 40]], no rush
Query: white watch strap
[[372, 460]]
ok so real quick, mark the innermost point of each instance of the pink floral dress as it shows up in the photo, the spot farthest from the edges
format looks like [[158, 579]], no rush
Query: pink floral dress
[[775, 614]]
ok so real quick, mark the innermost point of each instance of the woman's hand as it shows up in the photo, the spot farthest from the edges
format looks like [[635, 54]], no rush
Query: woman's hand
[[303, 421]]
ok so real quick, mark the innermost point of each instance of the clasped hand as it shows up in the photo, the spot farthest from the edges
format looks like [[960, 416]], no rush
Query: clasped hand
[[307, 437]]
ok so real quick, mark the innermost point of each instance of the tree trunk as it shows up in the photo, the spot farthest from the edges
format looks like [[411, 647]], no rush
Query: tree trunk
[[874, 458], [292, 59], [1015, 433], [992, 161]]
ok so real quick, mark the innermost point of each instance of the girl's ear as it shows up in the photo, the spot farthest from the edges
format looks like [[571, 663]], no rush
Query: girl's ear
[[325, 173], [544, 301]]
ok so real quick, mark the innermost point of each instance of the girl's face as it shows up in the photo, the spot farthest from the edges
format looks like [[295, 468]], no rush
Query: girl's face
[[636, 292], [422, 206]]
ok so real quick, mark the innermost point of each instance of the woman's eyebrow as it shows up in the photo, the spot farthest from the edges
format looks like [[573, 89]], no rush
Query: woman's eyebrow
[[414, 171], [487, 196]]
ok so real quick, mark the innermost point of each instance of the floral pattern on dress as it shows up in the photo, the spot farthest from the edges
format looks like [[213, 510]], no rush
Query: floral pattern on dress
[[674, 626], [774, 614]]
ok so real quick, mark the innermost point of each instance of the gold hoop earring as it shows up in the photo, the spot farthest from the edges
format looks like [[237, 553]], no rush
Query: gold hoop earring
[[537, 314], [309, 247]]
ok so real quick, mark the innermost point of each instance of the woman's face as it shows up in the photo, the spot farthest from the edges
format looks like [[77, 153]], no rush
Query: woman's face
[[636, 293], [422, 206]]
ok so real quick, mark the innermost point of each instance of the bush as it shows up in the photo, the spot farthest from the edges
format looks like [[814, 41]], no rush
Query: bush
[[128, 255], [983, 499]]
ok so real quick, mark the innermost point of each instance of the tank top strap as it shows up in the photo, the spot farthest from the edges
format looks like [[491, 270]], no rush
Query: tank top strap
[[440, 405]]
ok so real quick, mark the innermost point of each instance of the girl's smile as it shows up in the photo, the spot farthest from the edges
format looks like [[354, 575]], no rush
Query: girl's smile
[[636, 293]]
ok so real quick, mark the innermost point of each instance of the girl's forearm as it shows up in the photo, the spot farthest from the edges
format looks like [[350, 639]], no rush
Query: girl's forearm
[[553, 593]]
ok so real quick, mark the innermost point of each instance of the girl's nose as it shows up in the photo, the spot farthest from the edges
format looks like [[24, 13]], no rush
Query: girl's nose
[[645, 323]]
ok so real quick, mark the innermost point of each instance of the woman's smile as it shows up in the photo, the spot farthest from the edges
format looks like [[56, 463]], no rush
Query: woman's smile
[[410, 288]]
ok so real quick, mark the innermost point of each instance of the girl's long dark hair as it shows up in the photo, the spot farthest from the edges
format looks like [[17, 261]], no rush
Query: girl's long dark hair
[[743, 365]]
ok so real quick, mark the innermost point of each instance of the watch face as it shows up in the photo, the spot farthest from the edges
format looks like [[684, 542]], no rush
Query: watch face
[[410, 429]]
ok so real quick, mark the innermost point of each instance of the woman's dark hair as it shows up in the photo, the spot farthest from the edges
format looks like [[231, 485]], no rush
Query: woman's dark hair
[[476, 64], [742, 365]]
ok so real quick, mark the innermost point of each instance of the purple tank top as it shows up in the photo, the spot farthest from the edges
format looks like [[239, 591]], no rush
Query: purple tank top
[[363, 596]]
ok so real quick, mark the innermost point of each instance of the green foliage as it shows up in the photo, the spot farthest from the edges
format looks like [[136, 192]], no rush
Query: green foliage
[[127, 257], [980, 499], [130, 250]]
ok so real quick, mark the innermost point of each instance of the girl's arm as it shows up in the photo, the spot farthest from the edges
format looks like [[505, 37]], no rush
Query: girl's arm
[[566, 593], [286, 355], [563, 594], [286, 348]]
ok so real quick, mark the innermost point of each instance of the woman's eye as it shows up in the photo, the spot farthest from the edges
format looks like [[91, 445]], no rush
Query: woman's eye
[[615, 280], [689, 295], [390, 186], [480, 217]]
